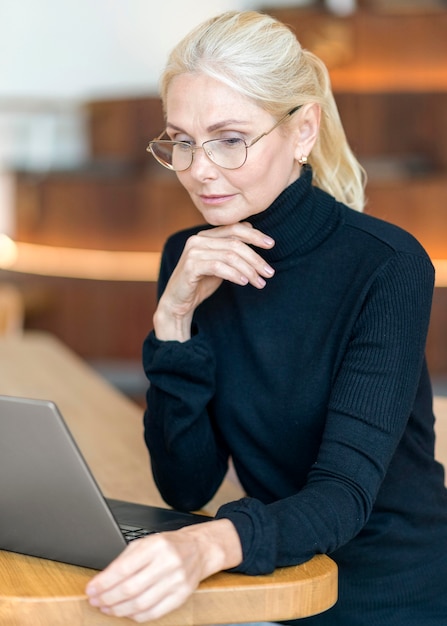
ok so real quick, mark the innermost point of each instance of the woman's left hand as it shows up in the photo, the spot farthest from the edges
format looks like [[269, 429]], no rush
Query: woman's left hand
[[155, 575]]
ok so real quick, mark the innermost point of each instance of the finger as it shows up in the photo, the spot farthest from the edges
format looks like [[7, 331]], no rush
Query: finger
[[164, 595], [160, 609], [120, 597], [229, 249], [234, 270], [243, 231], [138, 593], [130, 561], [231, 252]]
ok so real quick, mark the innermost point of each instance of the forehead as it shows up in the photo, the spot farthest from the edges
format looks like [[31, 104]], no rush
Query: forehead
[[198, 96]]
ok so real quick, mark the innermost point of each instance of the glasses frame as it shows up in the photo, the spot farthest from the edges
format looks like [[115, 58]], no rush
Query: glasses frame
[[193, 148]]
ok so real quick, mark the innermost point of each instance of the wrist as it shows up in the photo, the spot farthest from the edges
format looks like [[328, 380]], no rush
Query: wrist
[[218, 544], [171, 327]]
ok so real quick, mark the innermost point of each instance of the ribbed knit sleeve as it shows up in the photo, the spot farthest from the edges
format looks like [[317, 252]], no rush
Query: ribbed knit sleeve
[[377, 381], [187, 464]]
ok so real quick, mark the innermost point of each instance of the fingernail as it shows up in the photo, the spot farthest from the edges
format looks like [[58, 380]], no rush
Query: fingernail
[[269, 270], [269, 241]]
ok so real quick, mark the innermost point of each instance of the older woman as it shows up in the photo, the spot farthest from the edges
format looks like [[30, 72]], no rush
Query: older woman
[[289, 336]]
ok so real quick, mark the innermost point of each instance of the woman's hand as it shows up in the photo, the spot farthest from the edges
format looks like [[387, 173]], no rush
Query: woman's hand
[[211, 256], [155, 575]]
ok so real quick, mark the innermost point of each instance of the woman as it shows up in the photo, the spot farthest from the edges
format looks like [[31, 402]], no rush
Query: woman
[[289, 336]]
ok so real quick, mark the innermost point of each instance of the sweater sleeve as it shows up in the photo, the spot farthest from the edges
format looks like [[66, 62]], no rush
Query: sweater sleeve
[[372, 397], [188, 460]]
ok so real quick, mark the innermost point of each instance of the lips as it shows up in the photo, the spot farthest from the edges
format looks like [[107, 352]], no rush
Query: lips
[[215, 199]]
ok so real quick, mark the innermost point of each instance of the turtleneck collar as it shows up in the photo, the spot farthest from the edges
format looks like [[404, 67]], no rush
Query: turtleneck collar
[[300, 218]]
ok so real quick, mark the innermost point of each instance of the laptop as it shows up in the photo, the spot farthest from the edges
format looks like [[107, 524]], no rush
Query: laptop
[[51, 506]]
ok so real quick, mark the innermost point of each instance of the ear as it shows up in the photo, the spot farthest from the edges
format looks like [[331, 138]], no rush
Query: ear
[[307, 130]]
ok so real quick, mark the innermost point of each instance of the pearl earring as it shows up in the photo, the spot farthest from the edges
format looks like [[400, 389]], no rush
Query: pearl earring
[[302, 160]]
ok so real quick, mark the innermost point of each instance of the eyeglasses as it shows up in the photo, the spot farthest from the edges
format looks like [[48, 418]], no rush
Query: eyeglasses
[[228, 153]]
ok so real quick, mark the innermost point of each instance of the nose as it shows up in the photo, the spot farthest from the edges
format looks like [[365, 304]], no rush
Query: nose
[[202, 166]]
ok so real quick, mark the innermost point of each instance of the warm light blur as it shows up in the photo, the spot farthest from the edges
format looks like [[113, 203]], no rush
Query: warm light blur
[[441, 272], [8, 252], [29, 258]]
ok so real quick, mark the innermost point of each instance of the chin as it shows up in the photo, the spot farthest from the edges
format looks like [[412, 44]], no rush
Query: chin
[[218, 217]]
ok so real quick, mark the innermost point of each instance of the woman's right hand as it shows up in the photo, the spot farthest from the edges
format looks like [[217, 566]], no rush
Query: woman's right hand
[[209, 257], [157, 574]]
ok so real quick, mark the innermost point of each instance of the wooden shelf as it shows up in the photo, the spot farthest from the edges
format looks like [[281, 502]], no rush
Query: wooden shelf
[[374, 51]]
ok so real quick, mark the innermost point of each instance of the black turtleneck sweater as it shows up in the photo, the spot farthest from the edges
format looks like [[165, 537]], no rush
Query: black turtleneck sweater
[[317, 388]]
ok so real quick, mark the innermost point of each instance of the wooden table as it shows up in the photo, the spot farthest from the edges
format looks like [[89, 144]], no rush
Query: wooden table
[[108, 429]]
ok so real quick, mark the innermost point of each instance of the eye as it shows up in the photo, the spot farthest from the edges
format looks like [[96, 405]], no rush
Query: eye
[[173, 136], [183, 146], [184, 140], [231, 142]]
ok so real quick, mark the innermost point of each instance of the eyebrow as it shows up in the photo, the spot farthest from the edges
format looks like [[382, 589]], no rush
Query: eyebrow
[[213, 127]]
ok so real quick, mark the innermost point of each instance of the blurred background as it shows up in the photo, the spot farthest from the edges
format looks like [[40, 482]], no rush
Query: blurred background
[[84, 210]]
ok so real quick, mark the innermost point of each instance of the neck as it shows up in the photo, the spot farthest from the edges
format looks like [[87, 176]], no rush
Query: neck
[[299, 219]]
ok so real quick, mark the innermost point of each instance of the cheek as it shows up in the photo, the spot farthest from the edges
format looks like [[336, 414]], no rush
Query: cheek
[[267, 180]]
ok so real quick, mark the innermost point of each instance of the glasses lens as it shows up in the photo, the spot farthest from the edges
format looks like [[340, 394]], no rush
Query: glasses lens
[[172, 154], [227, 153], [177, 155]]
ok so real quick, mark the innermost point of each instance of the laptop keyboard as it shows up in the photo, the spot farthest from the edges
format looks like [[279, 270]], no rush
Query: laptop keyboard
[[131, 533]]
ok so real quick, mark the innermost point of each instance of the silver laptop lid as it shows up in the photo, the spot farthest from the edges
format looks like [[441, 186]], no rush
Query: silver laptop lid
[[50, 504]]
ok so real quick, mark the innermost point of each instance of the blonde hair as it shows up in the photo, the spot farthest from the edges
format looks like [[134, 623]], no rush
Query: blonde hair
[[261, 58]]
